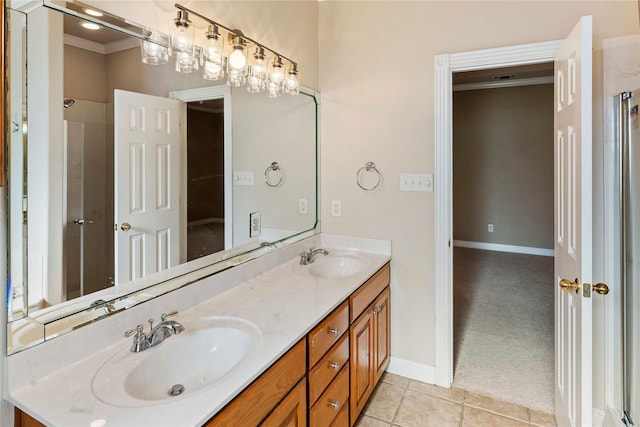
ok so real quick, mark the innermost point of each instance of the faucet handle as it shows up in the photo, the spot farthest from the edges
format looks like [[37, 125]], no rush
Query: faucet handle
[[139, 329]]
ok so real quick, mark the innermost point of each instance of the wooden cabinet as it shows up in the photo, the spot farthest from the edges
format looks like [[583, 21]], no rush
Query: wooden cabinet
[[292, 411], [22, 419], [369, 335], [255, 402], [325, 379]]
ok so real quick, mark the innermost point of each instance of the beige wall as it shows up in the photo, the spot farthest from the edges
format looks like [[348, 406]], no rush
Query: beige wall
[[503, 165], [84, 74], [377, 85]]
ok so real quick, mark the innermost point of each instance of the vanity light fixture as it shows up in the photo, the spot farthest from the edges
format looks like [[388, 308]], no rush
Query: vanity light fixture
[[255, 73], [212, 54], [291, 83], [182, 44]]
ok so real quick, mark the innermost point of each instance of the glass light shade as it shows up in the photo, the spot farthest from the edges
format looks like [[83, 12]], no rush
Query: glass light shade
[[276, 73], [274, 90], [291, 82], [257, 72], [212, 56], [237, 60], [236, 78], [182, 36], [154, 50], [186, 62]]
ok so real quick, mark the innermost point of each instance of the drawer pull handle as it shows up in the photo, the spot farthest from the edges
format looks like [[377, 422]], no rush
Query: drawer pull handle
[[334, 405], [377, 309], [334, 365], [334, 331]]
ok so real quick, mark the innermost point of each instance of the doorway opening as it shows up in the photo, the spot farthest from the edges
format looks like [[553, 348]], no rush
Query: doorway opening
[[205, 178], [503, 234]]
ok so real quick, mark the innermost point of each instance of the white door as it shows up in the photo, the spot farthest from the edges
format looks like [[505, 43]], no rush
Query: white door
[[573, 222], [147, 182]]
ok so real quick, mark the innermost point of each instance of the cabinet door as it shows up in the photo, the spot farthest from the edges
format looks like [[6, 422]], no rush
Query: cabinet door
[[292, 411], [23, 419], [362, 335], [382, 324]]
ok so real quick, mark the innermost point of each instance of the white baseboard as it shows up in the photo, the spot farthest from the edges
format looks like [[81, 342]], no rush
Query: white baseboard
[[504, 248], [413, 370]]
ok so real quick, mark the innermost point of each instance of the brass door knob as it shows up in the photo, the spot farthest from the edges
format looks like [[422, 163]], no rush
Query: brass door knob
[[125, 226], [601, 288], [567, 285]]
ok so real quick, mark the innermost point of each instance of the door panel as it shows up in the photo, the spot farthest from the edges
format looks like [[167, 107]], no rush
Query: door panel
[[573, 226], [147, 141]]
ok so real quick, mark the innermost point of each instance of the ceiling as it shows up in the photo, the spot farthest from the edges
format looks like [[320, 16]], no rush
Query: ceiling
[[502, 74]]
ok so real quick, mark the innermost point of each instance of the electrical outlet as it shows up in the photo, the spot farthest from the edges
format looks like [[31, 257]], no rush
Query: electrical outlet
[[303, 208], [254, 224], [490, 228], [243, 178], [336, 208]]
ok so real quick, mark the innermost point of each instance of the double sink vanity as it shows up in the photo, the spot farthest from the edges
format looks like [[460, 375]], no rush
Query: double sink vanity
[[269, 342]]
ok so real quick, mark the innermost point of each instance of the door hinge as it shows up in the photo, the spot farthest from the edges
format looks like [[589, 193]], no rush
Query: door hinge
[[626, 419], [586, 290]]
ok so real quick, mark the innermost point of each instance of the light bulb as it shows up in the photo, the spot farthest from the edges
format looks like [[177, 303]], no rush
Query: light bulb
[[237, 60], [180, 39], [276, 74], [292, 86]]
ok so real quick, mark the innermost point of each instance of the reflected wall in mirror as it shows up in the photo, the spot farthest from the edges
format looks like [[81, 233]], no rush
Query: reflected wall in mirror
[[124, 175]]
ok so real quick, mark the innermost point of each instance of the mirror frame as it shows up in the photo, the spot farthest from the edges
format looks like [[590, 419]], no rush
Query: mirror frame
[[148, 287]]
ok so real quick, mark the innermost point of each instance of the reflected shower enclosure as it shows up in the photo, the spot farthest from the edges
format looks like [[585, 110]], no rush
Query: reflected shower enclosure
[[88, 190]]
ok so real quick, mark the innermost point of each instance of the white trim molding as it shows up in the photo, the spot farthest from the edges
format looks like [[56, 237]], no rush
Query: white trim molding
[[413, 370], [504, 248], [445, 65]]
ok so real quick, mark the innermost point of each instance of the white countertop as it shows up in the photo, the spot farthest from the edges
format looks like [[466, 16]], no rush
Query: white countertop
[[284, 305]]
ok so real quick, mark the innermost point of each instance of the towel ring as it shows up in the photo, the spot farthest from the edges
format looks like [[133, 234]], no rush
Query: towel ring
[[273, 167], [368, 167]]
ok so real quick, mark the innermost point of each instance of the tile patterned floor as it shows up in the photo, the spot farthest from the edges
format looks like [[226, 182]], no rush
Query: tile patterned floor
[[401, 402]]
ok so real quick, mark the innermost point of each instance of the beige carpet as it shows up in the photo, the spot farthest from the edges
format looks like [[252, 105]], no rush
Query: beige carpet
[[503, 326]]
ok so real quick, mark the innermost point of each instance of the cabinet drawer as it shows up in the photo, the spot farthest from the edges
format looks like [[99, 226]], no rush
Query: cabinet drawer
[[327, 369], [342, 419], [323, 336], [335, 398], [365, 295]]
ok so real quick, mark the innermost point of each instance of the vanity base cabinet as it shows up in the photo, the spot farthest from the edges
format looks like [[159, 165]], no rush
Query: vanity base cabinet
[[22, 419], [259, 399], [369, 339]]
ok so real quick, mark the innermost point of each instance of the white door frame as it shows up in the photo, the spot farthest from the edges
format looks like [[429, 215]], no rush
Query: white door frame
[[203, 94], [445, 65]]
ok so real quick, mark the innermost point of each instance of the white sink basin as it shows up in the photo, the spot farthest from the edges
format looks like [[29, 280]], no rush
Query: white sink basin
[[205, 352], [336, 266]]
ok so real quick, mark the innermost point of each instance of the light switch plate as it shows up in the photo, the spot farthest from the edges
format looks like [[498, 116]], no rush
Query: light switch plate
[[254, 224], [416, 182], [243, 178], [336, 208]]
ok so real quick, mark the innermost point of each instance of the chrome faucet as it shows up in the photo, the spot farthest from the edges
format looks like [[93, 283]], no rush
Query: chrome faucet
[[163, 330], [307, 257]]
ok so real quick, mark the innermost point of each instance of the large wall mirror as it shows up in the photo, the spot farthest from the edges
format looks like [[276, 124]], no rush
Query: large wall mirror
[[102, 216]]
